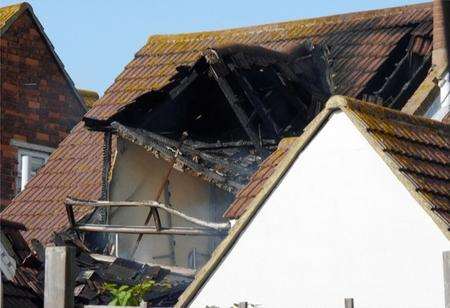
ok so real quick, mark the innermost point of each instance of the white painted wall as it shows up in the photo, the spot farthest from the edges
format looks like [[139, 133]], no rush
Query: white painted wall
[[339, 225], [441, 105], [137, 175]]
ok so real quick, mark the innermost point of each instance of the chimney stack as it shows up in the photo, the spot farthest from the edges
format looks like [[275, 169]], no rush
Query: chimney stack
[[441, 33]]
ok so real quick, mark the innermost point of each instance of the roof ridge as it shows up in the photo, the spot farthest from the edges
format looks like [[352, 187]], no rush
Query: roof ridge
[[344, 102], [10, 16], [270, 183], [10, 13], [276, 26], [18, 4]]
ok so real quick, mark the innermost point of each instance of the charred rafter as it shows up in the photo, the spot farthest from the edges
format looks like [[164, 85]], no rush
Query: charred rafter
[[165, 148], [236, 103]]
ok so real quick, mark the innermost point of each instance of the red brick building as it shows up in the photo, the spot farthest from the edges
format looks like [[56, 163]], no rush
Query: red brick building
[[39, 103]]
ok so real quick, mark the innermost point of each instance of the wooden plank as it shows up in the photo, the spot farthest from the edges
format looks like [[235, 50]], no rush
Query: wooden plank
[[349, 303], [185, 82], [153, 140], [253, 98], [446, 257], [170, 224], [59, 277], [176, 270], [153, 204], [104, 203], [147, 230], [1, 290], [166, 154], [70, 215], [233, 101], [232, 144]]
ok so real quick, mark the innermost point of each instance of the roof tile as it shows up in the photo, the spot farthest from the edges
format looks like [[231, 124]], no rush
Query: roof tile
[[418, 147], [351, 36]]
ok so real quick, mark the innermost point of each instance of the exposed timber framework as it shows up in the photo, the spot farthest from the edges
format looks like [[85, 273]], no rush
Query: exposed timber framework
[[237, 102], [221, 117], [206, 228]]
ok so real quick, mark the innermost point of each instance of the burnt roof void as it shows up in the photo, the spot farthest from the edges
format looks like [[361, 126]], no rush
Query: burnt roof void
[[237, 102]]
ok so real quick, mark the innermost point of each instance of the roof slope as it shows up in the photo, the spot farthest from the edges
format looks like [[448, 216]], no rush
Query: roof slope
[[74, 169], [89, 97], [416, 149], [255, 97], [9, 13], [362, 43]]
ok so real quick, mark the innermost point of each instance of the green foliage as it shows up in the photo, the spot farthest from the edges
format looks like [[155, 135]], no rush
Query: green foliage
[[128, 295]]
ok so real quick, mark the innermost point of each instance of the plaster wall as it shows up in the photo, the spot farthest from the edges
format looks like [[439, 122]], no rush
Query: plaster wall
[[339, 225], [137, 175]]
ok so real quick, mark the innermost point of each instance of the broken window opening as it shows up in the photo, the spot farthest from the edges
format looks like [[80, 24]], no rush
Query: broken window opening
[[403, 71]]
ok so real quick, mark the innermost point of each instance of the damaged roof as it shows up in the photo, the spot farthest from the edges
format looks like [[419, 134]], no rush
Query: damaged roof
[[233, 106], [416, 149], [23, 290], [364, 48], [362, 43]]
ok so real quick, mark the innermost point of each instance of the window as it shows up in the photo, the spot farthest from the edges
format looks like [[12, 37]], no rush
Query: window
[[30, 158], [35, 161]]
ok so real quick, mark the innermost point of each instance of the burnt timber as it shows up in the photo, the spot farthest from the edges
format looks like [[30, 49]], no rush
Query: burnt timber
[[237, 102]]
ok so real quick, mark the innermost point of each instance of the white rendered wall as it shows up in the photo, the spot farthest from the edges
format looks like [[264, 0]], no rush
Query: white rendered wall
[[441, 105], [339, 225], [137, 175]]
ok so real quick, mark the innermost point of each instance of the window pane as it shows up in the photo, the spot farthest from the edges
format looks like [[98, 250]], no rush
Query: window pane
[[37, 160], [36, 163]]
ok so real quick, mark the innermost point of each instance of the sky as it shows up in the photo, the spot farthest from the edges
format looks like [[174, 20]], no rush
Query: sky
[[95, 39]]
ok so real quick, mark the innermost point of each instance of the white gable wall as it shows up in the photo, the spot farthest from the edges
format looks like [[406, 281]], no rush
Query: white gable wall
[[339, 225]]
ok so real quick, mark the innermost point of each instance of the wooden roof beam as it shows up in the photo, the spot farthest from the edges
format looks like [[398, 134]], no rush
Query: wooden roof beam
[[152, 204]]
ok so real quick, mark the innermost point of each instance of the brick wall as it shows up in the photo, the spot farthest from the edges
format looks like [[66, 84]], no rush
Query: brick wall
[[37, 103]]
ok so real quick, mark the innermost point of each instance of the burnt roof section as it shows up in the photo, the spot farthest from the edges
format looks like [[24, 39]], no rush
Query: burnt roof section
[[362, 45], [7, 225], [363, 42], [235, 104]]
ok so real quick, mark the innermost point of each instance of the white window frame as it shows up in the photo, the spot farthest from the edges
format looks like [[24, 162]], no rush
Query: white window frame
[[31, 150], [441, 104]]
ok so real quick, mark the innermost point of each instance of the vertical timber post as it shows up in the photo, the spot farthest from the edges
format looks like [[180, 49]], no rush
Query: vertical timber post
[[446, 257], [349, 303], [59, 279], [1, 290]]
